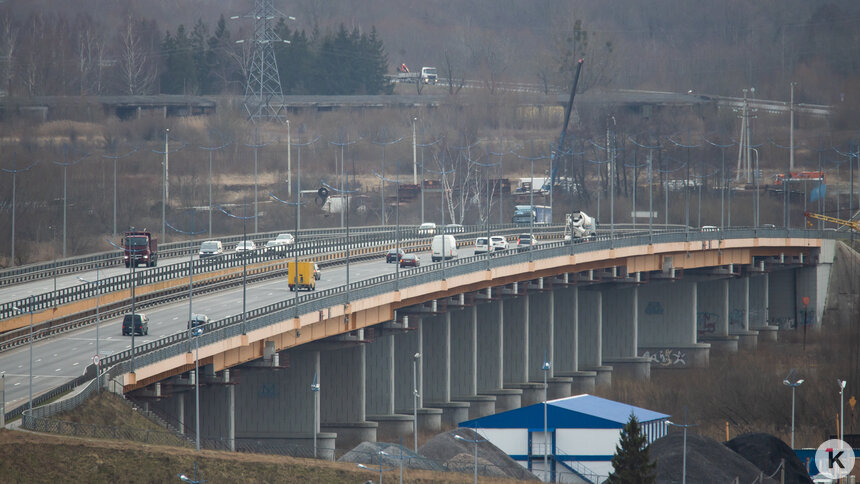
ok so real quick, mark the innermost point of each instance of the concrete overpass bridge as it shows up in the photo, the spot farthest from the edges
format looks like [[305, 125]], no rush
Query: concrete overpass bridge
[[482, 327]]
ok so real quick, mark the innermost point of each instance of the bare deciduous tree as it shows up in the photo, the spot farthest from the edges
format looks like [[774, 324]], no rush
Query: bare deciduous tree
[[136, 71], [8, 43]]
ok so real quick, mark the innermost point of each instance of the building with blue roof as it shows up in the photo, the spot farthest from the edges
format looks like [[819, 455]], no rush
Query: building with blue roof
[[582, 432]]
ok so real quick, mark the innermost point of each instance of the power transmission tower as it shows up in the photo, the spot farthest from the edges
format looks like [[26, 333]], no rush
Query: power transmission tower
[[264, 98]]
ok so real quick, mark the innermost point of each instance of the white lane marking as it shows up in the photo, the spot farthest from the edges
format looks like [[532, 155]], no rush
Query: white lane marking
[[76, 364]]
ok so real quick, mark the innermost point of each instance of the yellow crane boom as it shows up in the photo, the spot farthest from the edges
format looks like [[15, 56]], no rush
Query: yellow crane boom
[[849, 223]]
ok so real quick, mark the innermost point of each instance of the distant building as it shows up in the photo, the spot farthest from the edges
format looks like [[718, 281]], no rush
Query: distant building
[[583, 432]]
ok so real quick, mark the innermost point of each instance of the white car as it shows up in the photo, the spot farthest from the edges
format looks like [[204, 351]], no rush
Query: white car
[[481, 245], [246, 246], [211, 248], [276, 245], [497, 242], [286, 239], [428, 228]]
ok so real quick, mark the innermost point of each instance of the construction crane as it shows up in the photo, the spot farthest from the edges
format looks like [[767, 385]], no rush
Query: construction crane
[[848, 223], [557, 153]]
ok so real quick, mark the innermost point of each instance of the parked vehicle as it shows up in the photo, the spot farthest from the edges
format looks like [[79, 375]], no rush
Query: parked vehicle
[[498, 242], [246, 246], [482, 245], [301, 277], [410, 260], [139, 247], [428, 228], [525, 242], [141, 324], [211, 248], [393, 255], [443, 247], [200, 320], [454, 229], [276, 246]]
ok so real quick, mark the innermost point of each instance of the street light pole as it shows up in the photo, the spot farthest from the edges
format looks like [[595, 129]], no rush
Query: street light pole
[[546, 367], [475, 441], [30, 307], [415, 359], [98, 297], [210, 149], [245, 254], [315, 388], [414, 154], [842, 384], [684, 426], [793, 386]]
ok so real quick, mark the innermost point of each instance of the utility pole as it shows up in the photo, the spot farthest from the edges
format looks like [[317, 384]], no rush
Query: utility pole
[[791, 132]]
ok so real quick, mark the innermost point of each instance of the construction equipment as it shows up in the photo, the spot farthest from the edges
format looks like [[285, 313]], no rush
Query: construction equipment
[[579, 225], [304, 275], [854, 224]]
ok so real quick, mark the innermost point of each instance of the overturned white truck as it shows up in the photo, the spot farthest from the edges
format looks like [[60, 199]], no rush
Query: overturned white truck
[[579, 225]]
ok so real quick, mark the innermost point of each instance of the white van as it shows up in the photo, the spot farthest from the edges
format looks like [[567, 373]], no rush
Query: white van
[[450, 250]]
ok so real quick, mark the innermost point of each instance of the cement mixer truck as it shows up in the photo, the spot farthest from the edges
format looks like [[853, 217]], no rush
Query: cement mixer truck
[[579, 225]]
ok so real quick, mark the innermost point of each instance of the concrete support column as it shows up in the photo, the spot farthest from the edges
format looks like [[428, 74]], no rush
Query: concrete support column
[[517, 345], [405, 347], [542, 324], [668, 321], [590, 343], [739, 315], [783, 299], [343, 395], [565, 346], [620, 333], [464, 359], [759, 308], [491, 363], [437, 371], [712, 315], [381, 387], [180, 411], [231, 411]]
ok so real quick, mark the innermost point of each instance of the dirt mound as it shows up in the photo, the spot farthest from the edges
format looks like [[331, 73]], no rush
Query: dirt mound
[[766, 452], [445, 448], [708, 461], [374, 453]]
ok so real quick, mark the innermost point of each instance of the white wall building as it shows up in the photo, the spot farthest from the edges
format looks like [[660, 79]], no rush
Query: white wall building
[[582, 430]]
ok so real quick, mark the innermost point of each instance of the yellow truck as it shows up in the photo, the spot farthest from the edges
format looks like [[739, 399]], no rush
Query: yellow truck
[[301, 278]]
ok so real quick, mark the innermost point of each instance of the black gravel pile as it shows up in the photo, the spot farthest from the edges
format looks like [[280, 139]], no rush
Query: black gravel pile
[[766, 451], [708, 461], [491, 460]]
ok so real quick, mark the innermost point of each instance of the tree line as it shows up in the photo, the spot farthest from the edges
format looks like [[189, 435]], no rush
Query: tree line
[[52, 54]]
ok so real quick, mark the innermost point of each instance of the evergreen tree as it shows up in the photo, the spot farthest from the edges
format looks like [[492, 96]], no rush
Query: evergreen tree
[[631, 461]]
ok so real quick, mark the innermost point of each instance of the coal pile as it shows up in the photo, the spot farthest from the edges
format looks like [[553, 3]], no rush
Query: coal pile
[[458, 455], [708, 461], [766, 452]]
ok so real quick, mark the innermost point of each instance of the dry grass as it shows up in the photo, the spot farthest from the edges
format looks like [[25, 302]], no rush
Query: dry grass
[[745, 389]]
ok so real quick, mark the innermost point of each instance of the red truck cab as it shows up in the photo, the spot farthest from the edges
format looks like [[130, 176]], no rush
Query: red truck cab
[[139, 247]]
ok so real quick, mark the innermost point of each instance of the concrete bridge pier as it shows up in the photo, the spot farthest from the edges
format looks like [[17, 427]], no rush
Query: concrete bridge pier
[[464, 364], [342, 406], [759, 303], [542, 323], [590, 342], [668, 325], [406, 346], [739, 314], [714, 310], [437, 370], [517, 345], [491, 360], [620, 333], [565, 342], [380, 381]]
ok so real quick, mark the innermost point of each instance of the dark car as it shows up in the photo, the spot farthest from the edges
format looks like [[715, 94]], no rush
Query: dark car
[[141, 324], [394, 255], [198, 320], [410, 260]]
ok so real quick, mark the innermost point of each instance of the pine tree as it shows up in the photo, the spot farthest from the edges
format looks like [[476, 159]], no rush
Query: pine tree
[[631, 461]]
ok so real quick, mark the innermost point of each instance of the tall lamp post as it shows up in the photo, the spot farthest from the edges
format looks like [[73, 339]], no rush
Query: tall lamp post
[[98, 283], [298, 205], [345, 194], [30, 310], [244, 218], [841, 384], [133, 262], [115, 157], [257, 145], [475, 441], [66, 165], [190, 235], [210, 149], [14, 173], [165, 187], [684, 426], [396, 182], [793, 386], [315, 388], [342, 145], [415, 395], [545, 368], [384, 143], [195, 332]]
